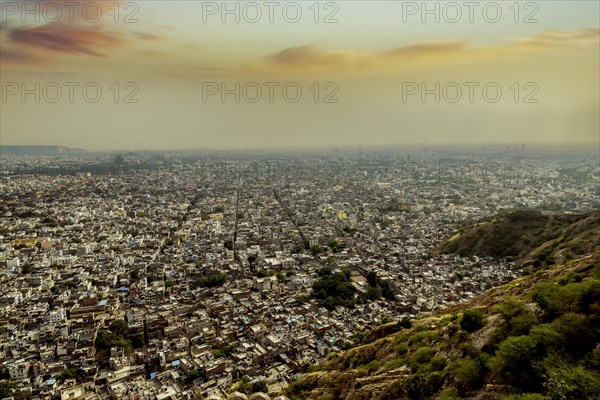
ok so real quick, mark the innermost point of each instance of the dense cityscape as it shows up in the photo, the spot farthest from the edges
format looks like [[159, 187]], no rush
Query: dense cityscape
[[299, 200], [197, 275]]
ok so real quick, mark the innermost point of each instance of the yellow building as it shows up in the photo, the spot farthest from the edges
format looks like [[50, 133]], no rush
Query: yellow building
[[30, 242]]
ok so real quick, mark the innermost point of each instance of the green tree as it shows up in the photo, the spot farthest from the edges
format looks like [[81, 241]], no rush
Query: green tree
[[218, 353], [333, 290], [134, 275], [372, 294], [193, 375], [316, 250], [137, 340], [372, 278], [386, 290], [213, 280], [244, 385], [262, 273], [335, 246], [119, 327], [260, 386], [6, 389], [69, 373]]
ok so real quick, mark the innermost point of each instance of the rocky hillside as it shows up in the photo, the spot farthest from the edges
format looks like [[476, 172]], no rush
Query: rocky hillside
[[536, 338], [528, 235]]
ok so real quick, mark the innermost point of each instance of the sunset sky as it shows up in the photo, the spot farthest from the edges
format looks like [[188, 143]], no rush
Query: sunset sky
[[174, 58]]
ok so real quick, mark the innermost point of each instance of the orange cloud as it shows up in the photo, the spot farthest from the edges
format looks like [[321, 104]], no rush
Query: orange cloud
[[75, 33], [309, 60], [89, 41]]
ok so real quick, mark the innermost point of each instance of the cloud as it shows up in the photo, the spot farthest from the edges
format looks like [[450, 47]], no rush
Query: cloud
[[307, 55], [310, 60], [307, 59], [428, 49], [560, 39], [147, 36], [72, 34], [90, 41]]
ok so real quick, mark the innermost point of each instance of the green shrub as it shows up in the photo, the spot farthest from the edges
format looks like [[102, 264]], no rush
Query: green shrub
[[423, 355], [513, 362], [572, 382], [510, 308], [472, 320], [521, 324], [424, 336], [394, 363], [437, 363], [576, 297], [450, 393], [435, 381], [405, 323], [526, 396], [467, 374], [361, 371], [401, 348], [577, 334], [415, 387], [374, 365]]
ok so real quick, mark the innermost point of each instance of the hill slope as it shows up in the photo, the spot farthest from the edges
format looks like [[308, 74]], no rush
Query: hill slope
[[539, 334], [528, 235]]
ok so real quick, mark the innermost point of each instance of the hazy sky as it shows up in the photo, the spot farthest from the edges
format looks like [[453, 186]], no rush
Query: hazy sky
[[177, 74]]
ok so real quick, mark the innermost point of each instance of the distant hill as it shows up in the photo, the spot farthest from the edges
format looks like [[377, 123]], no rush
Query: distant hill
[[40, 150], [535, 338], [527, 235]]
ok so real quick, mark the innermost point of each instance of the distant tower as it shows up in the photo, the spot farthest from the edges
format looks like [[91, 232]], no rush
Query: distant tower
[[119, 160]]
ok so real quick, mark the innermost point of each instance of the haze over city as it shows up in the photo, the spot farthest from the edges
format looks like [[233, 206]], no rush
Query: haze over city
[[368, 60]]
